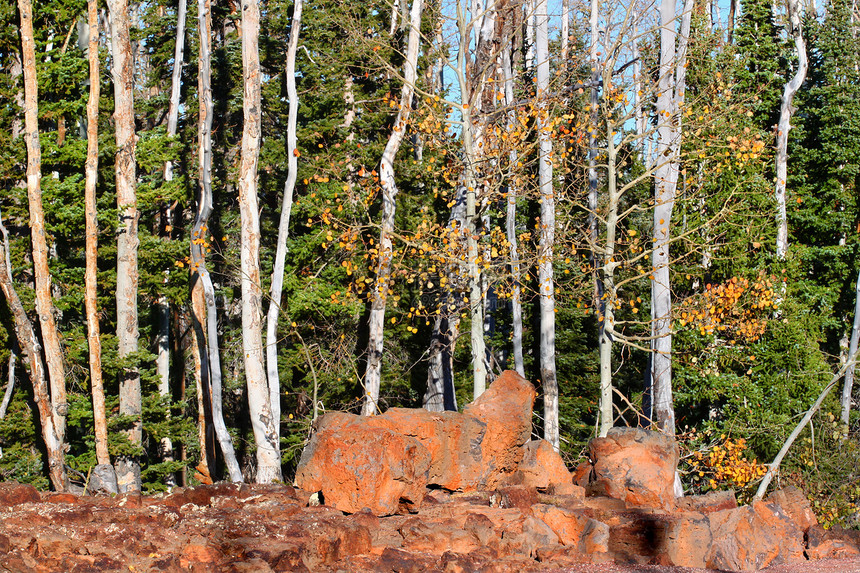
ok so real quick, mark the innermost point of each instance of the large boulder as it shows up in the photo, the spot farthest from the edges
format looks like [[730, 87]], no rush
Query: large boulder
[[753, 537], [541, 467], [634, 465], [385, 462], [355, 466], [506, 410]]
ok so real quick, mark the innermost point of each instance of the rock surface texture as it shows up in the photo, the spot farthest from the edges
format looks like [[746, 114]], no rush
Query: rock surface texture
[[410, 491]]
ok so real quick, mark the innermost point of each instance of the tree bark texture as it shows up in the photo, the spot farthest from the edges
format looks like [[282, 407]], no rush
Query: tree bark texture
[[284, 224], [32, 348], [44, 302], [848, 383], [266, 427], [210, 358], [511, 208], [128, 469], [389, 195], [786, 111], [92, 240], [670, 97], [546, 281]]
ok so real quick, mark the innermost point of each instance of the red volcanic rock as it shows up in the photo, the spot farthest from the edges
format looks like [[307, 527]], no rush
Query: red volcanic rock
[[795, 504], [506, 409], [688, 539], [357, 466], [707, 503], [832, 543], [541, 467], [635, 465], [16, 493], [575, 528], [753, 537], [453, 440]]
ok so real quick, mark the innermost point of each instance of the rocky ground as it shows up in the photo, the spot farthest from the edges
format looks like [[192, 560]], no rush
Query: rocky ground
[[416, 491], [254, 528]]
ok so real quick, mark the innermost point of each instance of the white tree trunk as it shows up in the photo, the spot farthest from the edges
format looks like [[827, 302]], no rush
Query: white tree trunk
[[266, 427], [786, 110], [277, 286], [511, 213], [546, 284], [470, 154], [38, 234], [209, 356], [128, 469], [10, 384], [389, 196], [848, 384]]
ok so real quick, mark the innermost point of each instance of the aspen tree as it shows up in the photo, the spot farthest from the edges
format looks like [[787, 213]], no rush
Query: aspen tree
[[127, 278], [207, 339], [284, 224], [266, 427], [389, 196]]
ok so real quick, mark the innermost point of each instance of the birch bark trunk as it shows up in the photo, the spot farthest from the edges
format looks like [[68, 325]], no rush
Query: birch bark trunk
[[546, 280], [284, 223], [511, 209], [32, 349], [92, 234], [127, 468], [670, 98], [266, 427], [209, 356], [472, 264], [786, 111], [389, 195], [848, 383], [44, 303]]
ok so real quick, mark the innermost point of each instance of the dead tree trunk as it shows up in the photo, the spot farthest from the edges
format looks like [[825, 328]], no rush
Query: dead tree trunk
[[32, 348], [127, 468], [44, 302], [92, 234]]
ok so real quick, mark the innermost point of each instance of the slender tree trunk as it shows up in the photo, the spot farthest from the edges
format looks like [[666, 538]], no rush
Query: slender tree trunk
[[546, 282], [128, 468], [774, 465], [472, 264], [786, 111], [733, 4], [32, 348], [284, 223], [44, 303], [10, 384], [210, 358], [511, 212], [266, 427], [607, 271], [670, 96], [162, 307], [389, 196], [848, 384], [92, 239]]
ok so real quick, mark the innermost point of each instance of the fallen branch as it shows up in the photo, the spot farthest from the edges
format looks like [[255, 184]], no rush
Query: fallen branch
[[768, 477]]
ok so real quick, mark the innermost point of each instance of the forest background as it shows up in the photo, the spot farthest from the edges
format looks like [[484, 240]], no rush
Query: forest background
[[607, 199]]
